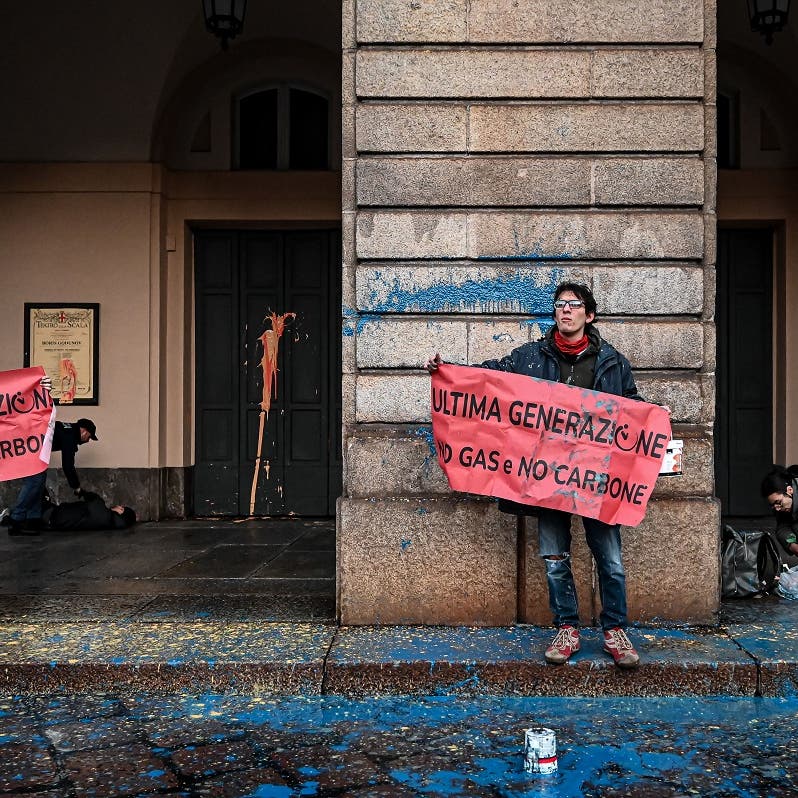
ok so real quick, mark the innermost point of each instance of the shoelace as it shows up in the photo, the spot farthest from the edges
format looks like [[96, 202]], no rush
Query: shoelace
[[620, 640], [563, 638]]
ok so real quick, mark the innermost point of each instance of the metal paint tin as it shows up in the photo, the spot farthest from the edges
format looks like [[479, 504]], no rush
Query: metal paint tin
[[540, 751]]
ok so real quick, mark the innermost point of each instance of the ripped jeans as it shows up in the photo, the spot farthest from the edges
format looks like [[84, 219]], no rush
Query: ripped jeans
[[604, 541]]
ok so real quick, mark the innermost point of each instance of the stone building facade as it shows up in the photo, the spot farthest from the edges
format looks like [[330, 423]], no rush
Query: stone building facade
[[491, 149], [477, 152]]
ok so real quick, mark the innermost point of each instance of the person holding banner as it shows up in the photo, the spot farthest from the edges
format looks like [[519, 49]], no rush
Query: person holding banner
[[26, 515], [573, 352]]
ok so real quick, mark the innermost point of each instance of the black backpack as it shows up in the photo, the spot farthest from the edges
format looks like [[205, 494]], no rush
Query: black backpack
[[750, 562]]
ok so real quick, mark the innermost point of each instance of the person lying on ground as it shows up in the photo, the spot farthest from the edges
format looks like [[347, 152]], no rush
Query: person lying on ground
[[88, 514]]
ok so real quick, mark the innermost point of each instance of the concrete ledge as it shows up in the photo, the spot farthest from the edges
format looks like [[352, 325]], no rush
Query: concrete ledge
[[280, 659], [237, 657], [509, 661]]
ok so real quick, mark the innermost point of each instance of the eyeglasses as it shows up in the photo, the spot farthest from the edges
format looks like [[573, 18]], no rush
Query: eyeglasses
[[776, 503], [574, 304]]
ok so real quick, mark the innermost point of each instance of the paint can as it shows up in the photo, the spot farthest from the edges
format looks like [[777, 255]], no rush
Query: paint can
[[540, 751]]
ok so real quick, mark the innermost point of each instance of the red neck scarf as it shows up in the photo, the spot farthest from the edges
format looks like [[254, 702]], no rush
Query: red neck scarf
[[570, 347]]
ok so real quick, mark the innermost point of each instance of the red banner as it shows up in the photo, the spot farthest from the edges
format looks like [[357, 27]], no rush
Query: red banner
[[547, 444], [27, 419]]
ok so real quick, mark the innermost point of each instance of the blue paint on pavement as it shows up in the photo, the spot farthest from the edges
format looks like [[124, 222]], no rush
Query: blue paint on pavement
[[451, 746], [272, 791]]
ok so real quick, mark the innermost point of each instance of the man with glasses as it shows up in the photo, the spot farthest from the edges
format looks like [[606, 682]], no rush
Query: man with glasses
[[778, 489], [573, 352]]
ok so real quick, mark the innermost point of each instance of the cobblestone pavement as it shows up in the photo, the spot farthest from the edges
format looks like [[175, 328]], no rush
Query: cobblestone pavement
[[221, 745]]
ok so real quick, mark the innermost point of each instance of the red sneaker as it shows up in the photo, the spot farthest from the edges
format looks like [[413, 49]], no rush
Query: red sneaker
[[565, 643], [620, 648]]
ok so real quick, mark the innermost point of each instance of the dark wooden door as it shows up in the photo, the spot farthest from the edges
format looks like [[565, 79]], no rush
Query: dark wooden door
[[744, 415], [247, 284]]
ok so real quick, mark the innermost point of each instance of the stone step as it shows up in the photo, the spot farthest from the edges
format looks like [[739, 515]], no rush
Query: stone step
[[305, 658]]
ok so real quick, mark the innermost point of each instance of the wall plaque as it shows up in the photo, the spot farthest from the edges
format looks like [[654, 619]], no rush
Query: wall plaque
[[64, 339]]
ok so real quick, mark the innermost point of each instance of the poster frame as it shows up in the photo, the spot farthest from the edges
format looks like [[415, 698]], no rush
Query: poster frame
[[31, 351]]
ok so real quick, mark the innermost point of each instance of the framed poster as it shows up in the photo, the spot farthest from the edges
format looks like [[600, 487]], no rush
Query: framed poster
[[64, 339]]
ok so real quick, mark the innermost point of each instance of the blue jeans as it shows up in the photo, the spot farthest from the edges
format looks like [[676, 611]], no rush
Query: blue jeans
[[604, 541], [29, 502]]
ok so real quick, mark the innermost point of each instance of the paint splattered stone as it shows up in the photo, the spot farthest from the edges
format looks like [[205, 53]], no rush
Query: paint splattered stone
[[431, 660]]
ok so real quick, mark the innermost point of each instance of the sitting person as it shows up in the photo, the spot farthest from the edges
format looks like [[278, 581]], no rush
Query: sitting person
[[779, 488], [88, 514]]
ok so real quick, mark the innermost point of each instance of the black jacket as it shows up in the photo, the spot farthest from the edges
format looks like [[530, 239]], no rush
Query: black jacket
[[66, 439], [612, 374]]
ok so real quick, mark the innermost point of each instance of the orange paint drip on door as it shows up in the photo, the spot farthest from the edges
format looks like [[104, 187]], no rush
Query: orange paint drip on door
[[271, 347]]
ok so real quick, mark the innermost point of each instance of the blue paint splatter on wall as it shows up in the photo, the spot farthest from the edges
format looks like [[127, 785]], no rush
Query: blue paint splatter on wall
[[425, 433], [520, 291]]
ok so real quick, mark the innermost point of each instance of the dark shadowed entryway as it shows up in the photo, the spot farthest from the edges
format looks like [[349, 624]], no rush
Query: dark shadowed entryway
[[744, 418]]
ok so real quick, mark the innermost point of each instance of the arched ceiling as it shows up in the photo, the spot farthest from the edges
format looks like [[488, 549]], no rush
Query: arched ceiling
[[87, 81]]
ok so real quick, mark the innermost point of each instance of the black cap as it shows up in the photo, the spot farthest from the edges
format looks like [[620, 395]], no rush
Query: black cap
[[89, 426]]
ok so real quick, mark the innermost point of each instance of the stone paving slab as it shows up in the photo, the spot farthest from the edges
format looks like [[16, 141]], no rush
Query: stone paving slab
[[430, 660], [274, 658], [434, 746]]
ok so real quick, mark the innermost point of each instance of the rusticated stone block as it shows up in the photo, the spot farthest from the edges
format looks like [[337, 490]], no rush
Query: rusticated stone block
[[473, 73], [698, 465], [467, 182], [648, 73], [605, 127], [411, 20], [390, 461], [400, 398], [550, 21], [710, 346], [657, 344], [684, 395], [405, 398], [348, 400], [672, 564], [348, 34], [649, 181], [411, 235], [585, 235], [495, 339], [670, 560], [458, 288], [639, 289], [396, 343], [411, 128], [529, 73], [441, 561]]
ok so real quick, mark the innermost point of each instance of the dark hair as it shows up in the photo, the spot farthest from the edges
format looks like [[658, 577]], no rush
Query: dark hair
[[777, 480], [129, 516], [581, 290]]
